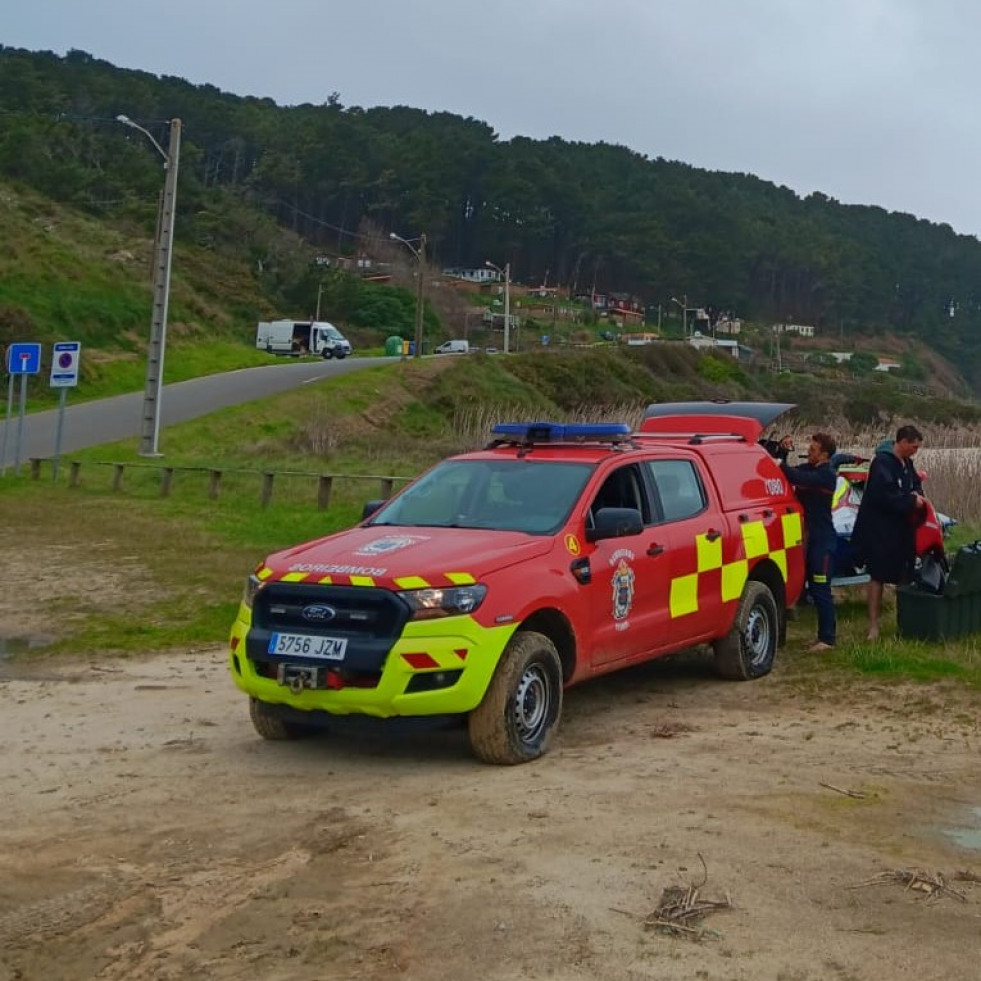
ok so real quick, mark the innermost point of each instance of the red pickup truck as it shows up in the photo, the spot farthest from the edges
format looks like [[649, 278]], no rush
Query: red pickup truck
[[500, 577]]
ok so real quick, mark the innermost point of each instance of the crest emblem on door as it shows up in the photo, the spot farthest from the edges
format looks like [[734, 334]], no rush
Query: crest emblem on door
[[623, 590]]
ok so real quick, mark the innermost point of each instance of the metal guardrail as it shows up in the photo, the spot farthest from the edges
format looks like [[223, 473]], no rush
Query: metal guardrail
[[325, 481]]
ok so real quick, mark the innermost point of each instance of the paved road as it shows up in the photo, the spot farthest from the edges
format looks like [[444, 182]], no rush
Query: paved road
[[108, 420]]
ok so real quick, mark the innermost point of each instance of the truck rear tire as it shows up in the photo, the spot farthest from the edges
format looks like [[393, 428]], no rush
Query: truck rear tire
[[748, 650], [271, 726], [520, 712]]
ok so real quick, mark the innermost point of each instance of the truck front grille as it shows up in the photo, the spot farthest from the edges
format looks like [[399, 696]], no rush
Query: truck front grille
[[370, 619]]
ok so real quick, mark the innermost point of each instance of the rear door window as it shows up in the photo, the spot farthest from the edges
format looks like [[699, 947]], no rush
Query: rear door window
[[679, 490]]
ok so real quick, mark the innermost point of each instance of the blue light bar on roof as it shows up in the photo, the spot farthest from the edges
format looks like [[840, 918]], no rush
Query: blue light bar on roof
[[554, 432]]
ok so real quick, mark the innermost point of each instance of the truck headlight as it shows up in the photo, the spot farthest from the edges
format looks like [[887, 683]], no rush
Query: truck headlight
[[252, 585], [429, 604]]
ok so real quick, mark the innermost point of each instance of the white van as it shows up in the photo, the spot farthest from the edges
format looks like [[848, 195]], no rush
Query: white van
[[454, 347], [302, 337]]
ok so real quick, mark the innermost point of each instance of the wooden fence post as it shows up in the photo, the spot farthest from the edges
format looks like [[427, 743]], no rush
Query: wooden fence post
[[74, 473], [324, 485], [267, 488], [214, 485], [35, 467], [386, 487], [166, 476], [117, 476]]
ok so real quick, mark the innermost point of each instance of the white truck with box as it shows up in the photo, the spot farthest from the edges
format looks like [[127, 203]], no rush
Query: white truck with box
[[298, 337]]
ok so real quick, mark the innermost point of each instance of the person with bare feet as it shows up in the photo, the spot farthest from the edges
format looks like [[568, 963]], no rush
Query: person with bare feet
[[814, 483], [885, 529]]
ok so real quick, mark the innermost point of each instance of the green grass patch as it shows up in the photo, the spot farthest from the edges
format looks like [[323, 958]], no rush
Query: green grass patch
[[915, 661], [890, 659], [139, 573]]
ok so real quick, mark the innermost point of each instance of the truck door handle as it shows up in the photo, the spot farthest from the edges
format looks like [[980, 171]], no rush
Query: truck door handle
[[744, 517], [655, 549], [767, 513], [712, 535]]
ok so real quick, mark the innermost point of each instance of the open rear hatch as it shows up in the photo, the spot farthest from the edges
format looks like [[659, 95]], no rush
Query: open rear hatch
[[745, 419]]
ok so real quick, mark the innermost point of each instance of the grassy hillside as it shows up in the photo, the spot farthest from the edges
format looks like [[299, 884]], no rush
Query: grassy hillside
[[66, 276], [398, 418]]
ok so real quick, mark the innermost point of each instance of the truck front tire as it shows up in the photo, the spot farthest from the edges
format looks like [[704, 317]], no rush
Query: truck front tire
[[520, 712], [271, 726], [326, 354], [748, 650]]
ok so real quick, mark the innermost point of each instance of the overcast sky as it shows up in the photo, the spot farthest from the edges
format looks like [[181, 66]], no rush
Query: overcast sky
[[868, 101]]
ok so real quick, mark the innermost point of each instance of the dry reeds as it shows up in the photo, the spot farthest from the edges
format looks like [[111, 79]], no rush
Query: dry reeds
[[950, 457]]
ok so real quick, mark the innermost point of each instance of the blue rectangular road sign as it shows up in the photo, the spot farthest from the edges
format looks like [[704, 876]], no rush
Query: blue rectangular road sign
[[24, 359], [64, 364]]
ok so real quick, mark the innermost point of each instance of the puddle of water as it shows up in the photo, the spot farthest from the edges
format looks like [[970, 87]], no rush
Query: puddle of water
[[968, 836], [10, 646]]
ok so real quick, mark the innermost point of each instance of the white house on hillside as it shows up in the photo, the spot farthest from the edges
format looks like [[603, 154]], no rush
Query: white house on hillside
[[482, 274]]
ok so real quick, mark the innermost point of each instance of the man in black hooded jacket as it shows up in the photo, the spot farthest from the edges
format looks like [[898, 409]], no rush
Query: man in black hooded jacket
[[885, 529]]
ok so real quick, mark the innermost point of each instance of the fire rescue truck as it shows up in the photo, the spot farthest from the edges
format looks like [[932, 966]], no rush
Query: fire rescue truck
[[500, 577]]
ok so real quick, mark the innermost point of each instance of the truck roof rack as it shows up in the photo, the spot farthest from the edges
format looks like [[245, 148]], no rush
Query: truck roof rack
[[695, 437]]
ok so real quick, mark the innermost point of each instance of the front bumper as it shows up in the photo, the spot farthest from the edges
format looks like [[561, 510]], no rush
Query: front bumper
[[454, 644]]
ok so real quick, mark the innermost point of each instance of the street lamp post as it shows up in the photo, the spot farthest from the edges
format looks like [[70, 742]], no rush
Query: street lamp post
[[420, 255], [506, 273], [163, 253], [684, 314]]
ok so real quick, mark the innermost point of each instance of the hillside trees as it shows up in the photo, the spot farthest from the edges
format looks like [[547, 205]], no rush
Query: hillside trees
[[583, 215]]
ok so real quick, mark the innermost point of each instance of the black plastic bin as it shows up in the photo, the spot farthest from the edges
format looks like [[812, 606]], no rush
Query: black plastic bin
[[956, 612]]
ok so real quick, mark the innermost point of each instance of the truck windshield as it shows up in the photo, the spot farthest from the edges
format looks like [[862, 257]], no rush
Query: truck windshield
[[332, 332], [504, 495]]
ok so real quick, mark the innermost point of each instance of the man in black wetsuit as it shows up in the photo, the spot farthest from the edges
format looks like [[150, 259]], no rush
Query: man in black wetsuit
[[814, 483]]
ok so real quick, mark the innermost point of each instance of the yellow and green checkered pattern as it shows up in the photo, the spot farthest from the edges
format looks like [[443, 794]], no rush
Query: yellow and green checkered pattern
[[712, 572]]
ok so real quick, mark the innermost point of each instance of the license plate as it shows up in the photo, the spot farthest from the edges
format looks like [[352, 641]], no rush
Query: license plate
[[304, 645]]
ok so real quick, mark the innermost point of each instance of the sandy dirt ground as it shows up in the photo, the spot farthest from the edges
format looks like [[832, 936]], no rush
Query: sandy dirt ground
[[148, 833]]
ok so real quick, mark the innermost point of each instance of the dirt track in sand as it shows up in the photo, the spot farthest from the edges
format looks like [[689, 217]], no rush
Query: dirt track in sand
[[148, 833]]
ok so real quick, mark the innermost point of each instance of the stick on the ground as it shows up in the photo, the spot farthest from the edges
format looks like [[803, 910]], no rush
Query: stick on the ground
[[857, 794]]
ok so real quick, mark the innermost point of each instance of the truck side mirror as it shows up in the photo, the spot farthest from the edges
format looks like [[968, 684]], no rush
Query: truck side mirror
[[615, 523], [371, 507]]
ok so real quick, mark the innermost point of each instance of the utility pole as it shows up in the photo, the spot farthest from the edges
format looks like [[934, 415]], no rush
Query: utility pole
[[421, 257], [163, 254], [506, 273], [507, 307], [683, 303]]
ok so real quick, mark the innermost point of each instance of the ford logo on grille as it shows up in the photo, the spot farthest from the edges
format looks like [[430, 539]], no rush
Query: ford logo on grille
[[318, 613]]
